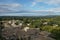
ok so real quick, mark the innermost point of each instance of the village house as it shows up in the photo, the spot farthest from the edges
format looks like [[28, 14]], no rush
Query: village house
[[45, 23]]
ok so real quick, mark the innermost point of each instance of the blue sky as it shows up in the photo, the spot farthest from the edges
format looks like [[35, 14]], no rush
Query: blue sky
[[30, 6]]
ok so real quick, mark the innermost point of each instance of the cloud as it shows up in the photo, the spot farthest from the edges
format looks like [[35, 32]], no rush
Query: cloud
[[13, 5], [34, 11], [10, 7], [29, 13], [4, 10], [53, 4], [33, 4], [55, 9], [50, 2]]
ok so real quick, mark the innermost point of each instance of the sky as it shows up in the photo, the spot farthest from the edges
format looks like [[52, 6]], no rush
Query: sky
[[32, 7]]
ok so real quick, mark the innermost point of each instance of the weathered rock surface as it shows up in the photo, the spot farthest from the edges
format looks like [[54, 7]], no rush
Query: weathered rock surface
[[17, 33]]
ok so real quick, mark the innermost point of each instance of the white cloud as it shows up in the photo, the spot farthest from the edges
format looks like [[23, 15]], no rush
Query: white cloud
[[51, 10], [51, 2], [4, 9], [55, 9], [54, 2], [10, 7], [33, 4], [48, 10]]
